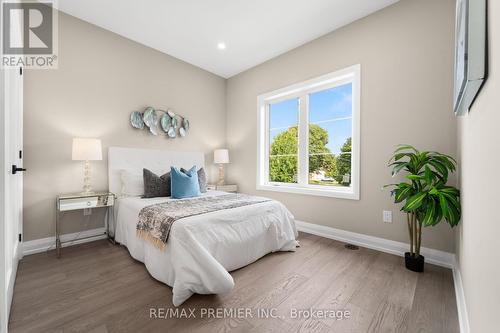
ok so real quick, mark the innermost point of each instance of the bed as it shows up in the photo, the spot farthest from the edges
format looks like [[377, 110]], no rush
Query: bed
[[201, 249]]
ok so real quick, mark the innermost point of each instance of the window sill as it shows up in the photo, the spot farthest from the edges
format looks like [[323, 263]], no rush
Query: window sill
[[341, 193]]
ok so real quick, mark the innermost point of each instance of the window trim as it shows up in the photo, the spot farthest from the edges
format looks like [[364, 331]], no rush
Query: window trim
[[302, 90]]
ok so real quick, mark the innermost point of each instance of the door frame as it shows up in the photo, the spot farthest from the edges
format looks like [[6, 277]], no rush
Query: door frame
[[11, 89], [4, 306], [11, 122]]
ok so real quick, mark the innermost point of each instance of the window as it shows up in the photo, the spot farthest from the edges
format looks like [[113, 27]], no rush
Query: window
[[308, 138], [283, 141]]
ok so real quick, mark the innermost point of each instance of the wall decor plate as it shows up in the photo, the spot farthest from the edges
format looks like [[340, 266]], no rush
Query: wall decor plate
[[160, 122], [165, 122], [150, 117], [153, 129], [136, 120], [175, 122], [171, 133]]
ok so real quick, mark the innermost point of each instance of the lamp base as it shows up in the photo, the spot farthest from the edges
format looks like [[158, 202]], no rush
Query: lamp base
[[221, 175], [87, 188], [87, 192]]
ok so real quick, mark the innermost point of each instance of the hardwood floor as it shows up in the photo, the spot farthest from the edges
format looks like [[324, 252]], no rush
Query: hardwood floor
[[97, 287]]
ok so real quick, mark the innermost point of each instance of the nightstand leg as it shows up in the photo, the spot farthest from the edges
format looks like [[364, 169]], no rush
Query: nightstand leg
[[58, 248], [58, 241], [110, 212]]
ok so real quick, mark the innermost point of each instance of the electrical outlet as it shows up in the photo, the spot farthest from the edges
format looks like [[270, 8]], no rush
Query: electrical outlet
[[387, 216], [87, 211]]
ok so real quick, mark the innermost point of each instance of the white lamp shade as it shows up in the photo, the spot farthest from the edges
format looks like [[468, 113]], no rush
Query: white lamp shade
[[221, 156], [86, 150]]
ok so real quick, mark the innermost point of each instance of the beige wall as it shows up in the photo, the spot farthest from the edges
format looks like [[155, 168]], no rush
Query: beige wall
[[406, 54], [477, 237], [406, 98], [102, 77]]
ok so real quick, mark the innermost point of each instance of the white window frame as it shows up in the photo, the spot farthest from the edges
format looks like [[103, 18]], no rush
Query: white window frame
[[302, 90]]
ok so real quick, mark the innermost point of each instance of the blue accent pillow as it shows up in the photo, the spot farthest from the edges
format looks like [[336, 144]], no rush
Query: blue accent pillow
[[184, 185]]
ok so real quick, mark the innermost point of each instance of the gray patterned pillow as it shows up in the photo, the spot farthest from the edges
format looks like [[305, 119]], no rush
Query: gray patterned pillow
[[202, 179], [155, 186]]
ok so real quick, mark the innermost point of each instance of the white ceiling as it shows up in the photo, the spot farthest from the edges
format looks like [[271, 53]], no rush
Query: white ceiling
[[253, 30]]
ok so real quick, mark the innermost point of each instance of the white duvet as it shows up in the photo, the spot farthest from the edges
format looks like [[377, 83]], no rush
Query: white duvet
[[202, 249]]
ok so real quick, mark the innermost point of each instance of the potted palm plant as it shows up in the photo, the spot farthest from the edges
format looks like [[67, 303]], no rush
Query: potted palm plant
[[426, 197]]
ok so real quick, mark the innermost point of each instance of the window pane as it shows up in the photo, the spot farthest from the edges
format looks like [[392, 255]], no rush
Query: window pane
[[283, 141], [330, 133]]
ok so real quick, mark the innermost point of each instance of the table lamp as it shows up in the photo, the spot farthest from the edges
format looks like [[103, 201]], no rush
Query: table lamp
[[86, 150], [221, 157]]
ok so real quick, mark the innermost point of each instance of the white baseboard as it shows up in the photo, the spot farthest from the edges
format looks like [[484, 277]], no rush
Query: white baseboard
[[46, 244], [432, 256], [463, 316], [11, 276]]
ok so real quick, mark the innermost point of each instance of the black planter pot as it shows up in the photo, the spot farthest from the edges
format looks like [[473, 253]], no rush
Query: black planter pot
[[414, 264]]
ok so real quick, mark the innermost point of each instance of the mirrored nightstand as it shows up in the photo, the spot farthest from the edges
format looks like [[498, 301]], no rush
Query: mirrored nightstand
[[80, 201], [233, 188]]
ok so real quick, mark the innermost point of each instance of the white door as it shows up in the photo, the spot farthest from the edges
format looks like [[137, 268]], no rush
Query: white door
[[12, 184], [11, 181]]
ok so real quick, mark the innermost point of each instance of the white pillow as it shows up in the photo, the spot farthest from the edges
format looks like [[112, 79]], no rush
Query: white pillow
[[132, 184]]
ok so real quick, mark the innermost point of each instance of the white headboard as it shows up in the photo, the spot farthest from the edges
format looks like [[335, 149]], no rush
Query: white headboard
[[156, 160]]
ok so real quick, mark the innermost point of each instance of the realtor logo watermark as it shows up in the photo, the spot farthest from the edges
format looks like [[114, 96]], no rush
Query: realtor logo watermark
[[29, 34]]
